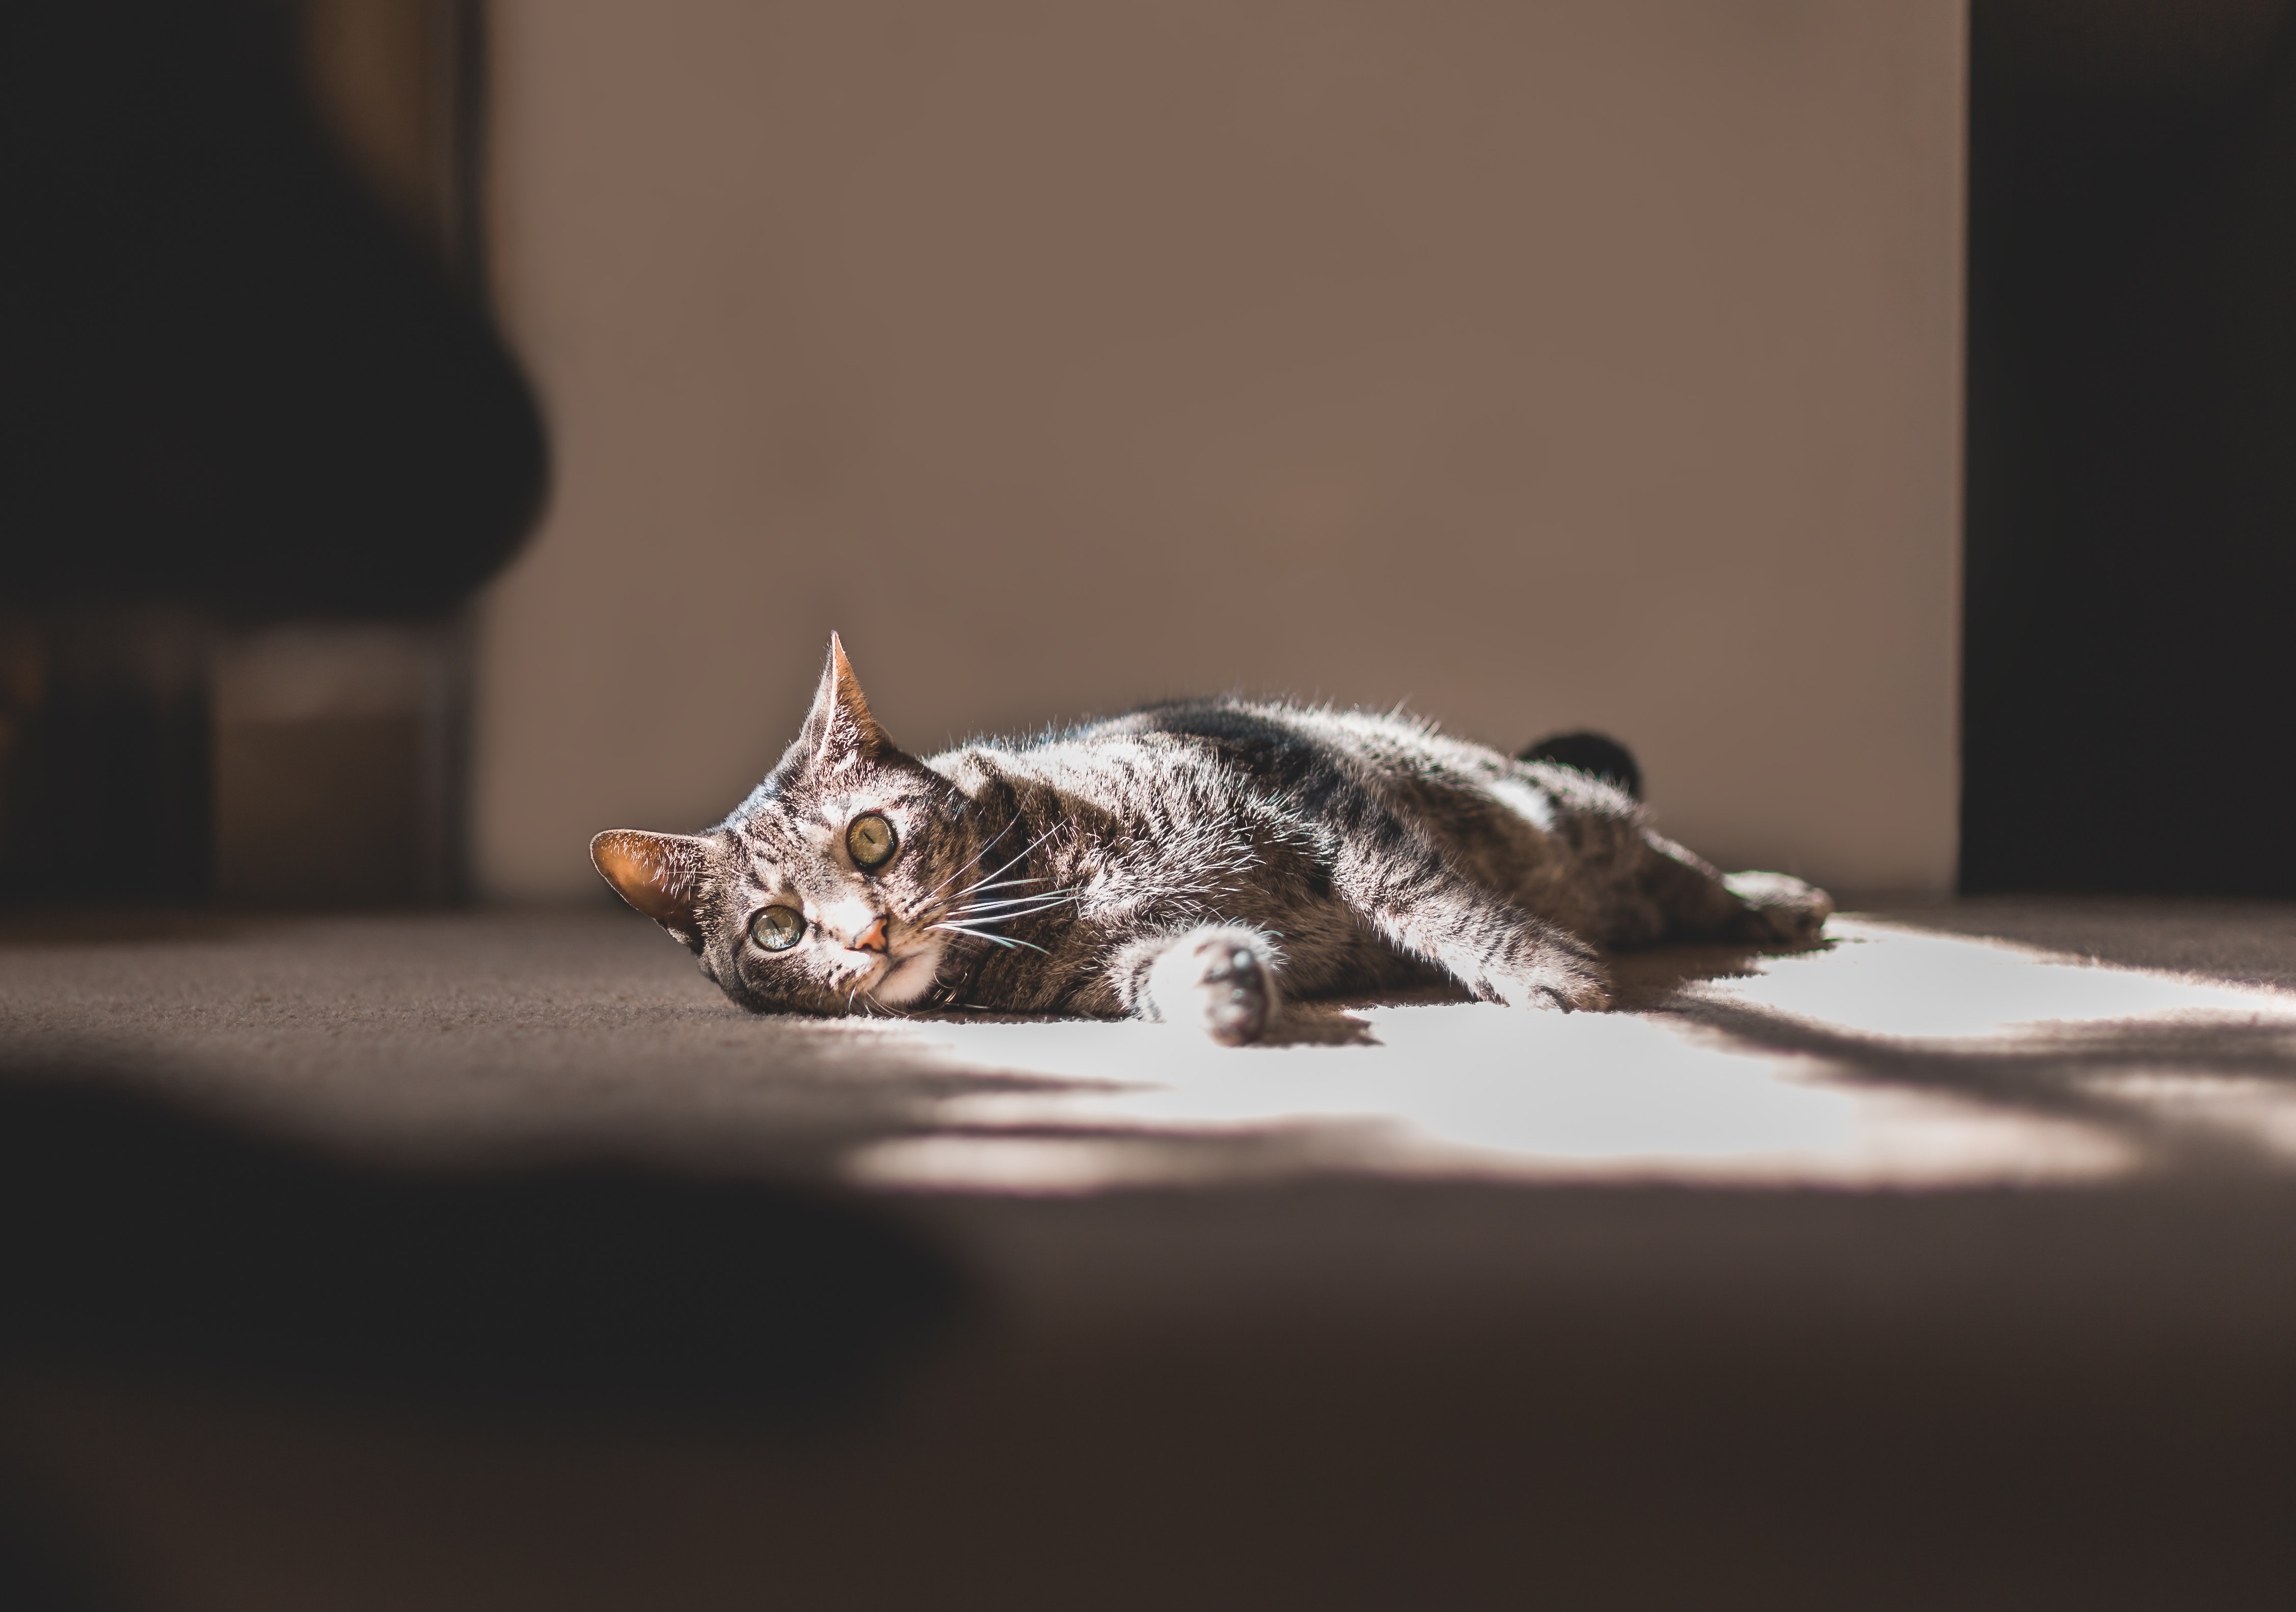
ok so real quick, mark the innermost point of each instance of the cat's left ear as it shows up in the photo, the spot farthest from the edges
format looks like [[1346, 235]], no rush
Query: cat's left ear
[[661, 874], [840, 727]]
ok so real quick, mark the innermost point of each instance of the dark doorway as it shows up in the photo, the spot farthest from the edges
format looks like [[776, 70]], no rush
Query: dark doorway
[[2132, 448]]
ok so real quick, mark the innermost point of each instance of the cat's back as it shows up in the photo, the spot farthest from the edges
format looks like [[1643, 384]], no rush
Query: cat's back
[[1225, 742], [1193, 784]]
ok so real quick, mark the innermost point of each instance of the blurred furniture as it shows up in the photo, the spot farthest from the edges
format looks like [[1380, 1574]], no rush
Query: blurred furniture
[[251, 380]]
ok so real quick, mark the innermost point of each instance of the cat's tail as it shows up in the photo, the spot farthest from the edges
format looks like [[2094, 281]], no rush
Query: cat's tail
[[1598, 754]]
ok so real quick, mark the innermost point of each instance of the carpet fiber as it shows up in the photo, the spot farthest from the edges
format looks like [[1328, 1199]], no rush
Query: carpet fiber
[[1956, 1261]]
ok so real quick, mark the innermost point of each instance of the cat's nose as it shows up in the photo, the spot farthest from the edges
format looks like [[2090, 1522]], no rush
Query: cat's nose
[[872, 939]]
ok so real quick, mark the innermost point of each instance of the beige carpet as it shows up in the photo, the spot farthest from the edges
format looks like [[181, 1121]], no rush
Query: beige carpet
[[1953, 1265], [1969, 1043]]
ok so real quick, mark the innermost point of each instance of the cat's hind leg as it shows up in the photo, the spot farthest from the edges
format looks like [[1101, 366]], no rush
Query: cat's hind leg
[[1220, 977], [1779, 908], [1700, 903]]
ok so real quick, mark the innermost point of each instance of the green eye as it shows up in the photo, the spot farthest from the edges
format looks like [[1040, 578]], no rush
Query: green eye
[[872, 841], [778, 928]]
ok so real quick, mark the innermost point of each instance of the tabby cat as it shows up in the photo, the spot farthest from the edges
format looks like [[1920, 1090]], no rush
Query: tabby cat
[[1175, 864]]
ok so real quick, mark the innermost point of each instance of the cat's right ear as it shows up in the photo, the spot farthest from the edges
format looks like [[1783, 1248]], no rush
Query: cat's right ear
[[659, 874], [838, 728]]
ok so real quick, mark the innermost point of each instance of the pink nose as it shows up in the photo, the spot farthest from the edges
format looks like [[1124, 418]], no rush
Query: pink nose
[[872, 939]]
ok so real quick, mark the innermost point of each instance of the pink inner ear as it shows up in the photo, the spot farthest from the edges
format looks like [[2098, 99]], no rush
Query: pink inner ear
[[648, 871]]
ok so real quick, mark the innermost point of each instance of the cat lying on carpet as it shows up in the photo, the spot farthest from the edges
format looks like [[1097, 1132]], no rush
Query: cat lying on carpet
[[1174, 864]]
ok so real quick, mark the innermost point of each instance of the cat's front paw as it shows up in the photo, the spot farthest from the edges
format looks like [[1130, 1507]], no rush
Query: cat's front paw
[[1563, 985], [1220, 977], [1780, 910], [1541, 968]]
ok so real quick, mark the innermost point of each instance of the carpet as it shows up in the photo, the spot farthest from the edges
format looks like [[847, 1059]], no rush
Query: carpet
[[1956, 1260]]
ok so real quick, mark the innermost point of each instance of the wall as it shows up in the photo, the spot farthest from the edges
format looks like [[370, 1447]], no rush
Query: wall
[[1586, 363]]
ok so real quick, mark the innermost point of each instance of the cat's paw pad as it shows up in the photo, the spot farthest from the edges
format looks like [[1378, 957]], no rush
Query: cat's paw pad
[[1220, 979], [1781, 910]]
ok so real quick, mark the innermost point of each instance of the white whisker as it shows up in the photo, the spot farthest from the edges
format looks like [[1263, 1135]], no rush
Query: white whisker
[[994, 940], [976, 855], [994, 920], [1003, 885], [1043, 901], [1023, 856]]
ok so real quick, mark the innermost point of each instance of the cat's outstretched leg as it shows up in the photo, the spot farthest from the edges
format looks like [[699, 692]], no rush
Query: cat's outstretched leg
[[1218, 976], [1779, 908], [1417, 904], [1496, 949], [1700, 903]]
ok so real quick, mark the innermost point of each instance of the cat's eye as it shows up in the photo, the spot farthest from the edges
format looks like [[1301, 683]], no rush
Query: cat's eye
[[872, 841], [778, 928]]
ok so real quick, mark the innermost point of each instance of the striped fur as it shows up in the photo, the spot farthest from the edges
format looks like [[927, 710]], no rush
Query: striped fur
[[1190, 862]]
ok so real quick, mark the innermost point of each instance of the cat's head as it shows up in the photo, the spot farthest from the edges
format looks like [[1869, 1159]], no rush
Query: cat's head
[[820, 892]]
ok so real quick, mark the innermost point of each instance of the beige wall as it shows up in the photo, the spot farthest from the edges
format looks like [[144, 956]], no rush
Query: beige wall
[[1593, 362]]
